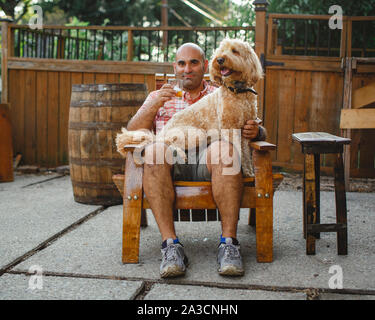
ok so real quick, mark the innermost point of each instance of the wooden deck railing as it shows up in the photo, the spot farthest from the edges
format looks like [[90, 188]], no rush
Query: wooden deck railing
[[310, 35], [116, 43]]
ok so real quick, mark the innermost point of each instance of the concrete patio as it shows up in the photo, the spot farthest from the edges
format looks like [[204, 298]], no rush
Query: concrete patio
[[77, 249]]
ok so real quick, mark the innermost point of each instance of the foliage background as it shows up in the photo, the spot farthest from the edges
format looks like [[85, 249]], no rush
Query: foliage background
[[148, 12]]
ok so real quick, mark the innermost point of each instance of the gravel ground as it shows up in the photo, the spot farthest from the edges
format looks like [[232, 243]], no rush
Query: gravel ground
[[293, 182]]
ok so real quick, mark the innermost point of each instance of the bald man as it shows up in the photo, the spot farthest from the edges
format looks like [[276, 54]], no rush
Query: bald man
[[190, 65]]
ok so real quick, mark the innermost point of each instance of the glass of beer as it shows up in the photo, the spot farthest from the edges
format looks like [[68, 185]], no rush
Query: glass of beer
[[178, 86]]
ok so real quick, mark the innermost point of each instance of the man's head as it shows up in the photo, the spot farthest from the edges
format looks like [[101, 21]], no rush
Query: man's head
[[190, 65]]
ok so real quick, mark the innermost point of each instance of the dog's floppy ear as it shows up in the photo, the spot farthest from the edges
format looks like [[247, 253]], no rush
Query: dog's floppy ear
[[257, 72], [215, 76]]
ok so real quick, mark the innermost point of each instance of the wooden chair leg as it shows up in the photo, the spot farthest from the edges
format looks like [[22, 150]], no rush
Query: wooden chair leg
[[264, 205], [144, 222], [252, 217], [132, 210]]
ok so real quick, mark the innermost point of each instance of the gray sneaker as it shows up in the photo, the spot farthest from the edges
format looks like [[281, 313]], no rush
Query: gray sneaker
[[229, 259], [174, 261]]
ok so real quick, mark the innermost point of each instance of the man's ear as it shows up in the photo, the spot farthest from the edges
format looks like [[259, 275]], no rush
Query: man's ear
[[174, 67]]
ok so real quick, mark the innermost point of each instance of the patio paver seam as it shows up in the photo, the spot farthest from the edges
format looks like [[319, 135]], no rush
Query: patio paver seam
[[39, 182], [50, 240], [146, 288], [311, 293]]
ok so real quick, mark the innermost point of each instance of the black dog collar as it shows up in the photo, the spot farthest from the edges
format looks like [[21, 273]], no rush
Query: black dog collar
[[239, 87], [242, 90]]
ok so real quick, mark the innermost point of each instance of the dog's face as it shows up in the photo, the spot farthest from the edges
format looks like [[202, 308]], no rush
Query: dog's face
[[235, 61]]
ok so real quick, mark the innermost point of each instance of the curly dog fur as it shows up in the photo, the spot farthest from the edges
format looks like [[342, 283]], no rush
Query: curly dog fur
[[234, 67]]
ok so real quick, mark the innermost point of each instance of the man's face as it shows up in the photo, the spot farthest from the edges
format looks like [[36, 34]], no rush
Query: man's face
[[190, 67]]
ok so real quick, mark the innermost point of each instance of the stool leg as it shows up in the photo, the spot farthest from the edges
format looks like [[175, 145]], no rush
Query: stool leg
[[310, 202], [341, 211], [317, 191], [304, 199]]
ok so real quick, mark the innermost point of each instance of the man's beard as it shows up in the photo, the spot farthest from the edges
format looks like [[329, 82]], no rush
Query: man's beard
[[192, 83]]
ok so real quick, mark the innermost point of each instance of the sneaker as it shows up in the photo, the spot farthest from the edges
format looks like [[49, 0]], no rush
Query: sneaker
[[174, 261], [229, 258]]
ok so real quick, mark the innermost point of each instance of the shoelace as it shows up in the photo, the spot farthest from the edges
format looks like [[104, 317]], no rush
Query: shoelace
[[230, 251], [171, 253]]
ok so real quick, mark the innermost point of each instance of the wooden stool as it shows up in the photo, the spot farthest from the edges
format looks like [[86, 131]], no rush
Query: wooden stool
[[313, 144]]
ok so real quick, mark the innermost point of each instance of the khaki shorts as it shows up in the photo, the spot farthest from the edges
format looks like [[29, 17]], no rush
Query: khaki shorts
[[192, 172]]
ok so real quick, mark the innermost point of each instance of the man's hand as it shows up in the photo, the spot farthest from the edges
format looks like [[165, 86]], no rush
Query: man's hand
[[251, 129], [164, 94]]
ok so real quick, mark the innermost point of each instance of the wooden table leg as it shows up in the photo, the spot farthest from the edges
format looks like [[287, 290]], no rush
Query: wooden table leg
[[310, 201], [341, 210]]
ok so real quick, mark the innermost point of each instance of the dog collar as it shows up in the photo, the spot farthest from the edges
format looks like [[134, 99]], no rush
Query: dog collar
[[242, 90]]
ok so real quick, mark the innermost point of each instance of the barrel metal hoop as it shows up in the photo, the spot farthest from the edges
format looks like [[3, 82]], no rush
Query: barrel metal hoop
[[97, 125], [94, 185], [105, 162], [109, 87]]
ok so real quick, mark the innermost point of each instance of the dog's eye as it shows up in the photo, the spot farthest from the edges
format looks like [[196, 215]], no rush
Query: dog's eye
[[235, 51]]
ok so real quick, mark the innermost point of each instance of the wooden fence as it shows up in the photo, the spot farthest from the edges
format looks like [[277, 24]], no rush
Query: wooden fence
[[40, 66], [302, 89], [304, 84]]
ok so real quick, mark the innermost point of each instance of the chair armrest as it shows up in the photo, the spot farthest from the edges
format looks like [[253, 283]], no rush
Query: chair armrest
[[132, 147], [262, 145], [136, 150]]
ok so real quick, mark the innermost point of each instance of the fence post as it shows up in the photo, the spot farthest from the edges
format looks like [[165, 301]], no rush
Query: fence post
[[4, 59], [164, 23], [60, 47], [260, 46], [130, 46]]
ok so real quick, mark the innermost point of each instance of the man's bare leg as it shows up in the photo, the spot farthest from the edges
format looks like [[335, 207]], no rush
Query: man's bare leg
[[226, 188], [158, 188]]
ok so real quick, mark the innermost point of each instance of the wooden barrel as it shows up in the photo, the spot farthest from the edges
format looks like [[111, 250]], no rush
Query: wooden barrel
[[97, 113]]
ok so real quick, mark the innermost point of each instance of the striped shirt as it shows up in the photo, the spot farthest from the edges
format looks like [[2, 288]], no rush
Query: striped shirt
[[175, 105]]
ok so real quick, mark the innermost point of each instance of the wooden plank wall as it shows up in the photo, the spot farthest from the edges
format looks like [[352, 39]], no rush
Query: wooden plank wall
[[40, 102], [300, 101], [362, 155]]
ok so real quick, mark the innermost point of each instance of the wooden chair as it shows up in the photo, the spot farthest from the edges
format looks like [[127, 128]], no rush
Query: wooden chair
[[257, 196]]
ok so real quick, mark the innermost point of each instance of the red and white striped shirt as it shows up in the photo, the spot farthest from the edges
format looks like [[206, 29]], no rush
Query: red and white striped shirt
[[175, 105]]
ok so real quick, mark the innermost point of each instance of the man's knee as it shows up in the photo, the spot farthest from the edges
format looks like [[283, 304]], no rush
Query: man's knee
[[155, 153], [223, 155]]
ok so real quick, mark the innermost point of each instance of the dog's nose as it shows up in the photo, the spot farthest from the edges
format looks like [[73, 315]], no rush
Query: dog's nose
[[220, 60]]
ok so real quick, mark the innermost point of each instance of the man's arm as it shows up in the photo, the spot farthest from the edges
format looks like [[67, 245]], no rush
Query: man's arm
[[145, 116]]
